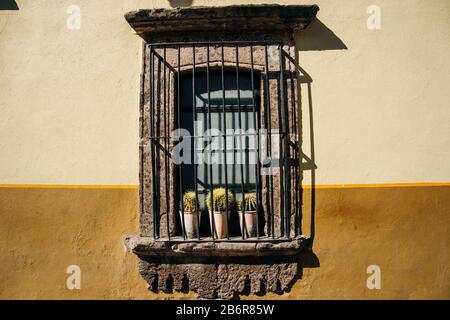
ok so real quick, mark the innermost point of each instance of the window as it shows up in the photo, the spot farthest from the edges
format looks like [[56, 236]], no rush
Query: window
[[235, 131]]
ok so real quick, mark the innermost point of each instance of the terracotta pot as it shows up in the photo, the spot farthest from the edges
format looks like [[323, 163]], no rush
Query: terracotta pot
[[220, 224], [191, 224], [250, 223]]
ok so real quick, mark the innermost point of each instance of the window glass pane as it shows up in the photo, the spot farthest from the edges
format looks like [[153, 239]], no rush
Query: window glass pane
[[213, 150]]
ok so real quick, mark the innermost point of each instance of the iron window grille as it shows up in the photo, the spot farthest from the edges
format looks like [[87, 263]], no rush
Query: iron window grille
[[198, 81]]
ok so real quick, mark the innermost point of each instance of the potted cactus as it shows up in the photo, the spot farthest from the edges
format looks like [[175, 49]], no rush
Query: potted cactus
[[217, 207], [249, 204], [191, 209]]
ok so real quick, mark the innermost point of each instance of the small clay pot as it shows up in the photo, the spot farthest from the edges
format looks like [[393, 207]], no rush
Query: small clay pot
[[220, 227], [191, 224], [250, 223]]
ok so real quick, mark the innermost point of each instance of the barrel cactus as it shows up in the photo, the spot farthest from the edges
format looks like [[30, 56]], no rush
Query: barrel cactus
[[220, 197], [190, 202], [249, 202]]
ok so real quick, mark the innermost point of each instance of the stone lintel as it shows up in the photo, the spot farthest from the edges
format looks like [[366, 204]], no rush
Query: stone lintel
[[235, 18]]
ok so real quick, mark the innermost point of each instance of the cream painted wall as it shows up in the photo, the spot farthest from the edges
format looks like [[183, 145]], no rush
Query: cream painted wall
[[381, 108], [69, 99]]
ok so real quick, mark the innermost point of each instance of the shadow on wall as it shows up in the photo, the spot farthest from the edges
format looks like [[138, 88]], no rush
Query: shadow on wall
[[317, 37], [180, 3], [8, 5]]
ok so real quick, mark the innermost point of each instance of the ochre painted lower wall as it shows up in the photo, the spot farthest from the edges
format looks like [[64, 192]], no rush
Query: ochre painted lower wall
[[404, 230]]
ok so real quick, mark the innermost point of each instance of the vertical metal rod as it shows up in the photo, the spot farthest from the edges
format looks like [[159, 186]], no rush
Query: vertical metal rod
[[157, 144], [141, 129], [241, 147], [296, 171], [268, 119], [152, 140], [256, 124], [285, 153], [208, 89], [194, 110], [170, 115], [158, 133], [141, 151], [180, 167], [280, 116], [225, 141], [166, 164]]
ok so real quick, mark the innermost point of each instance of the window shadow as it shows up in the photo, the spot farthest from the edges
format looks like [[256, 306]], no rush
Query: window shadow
[[317, 37], [180, 3], [8, 5]]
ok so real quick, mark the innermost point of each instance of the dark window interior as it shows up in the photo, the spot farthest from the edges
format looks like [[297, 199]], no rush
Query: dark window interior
[[213, 150]]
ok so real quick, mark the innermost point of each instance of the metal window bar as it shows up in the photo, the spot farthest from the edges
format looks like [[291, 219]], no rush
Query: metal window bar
[[210, 145], [195, 143], [222, 74], [166, 159], [285, 136], [241, 145], [161, 140], [180, 166], [141, 126], [268, 125], [155, 204], [295, 170], [256, 122]]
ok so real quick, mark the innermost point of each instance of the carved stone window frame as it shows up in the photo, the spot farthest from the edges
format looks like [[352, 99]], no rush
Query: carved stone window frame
[[214, 269]]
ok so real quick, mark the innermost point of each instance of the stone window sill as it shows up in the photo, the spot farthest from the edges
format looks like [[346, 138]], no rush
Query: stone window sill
[[146, 246]]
